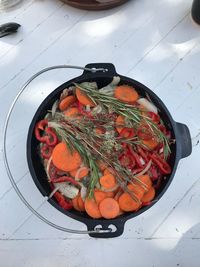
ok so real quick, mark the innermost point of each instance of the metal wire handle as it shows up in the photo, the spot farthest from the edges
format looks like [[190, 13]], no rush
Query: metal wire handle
[[16, 188]]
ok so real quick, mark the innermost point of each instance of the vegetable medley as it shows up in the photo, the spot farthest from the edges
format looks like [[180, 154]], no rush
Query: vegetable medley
[[105, 150]]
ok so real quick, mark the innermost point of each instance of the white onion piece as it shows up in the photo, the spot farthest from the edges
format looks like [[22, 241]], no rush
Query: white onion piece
[[53, 109], [48, 166], [67, 190], [83, 192], [142, 161], [97, 109], [145, 169], [88, 109], [149, 106]]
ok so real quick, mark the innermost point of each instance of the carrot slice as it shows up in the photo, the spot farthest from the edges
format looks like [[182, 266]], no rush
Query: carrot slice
[[80, 172], [71, 112], [120, 122], [108, 181], [81, 203], [146, 180], [108, 171], [66, 102], [151, 143], [126, 94], [92, 209], [65, 159], [83, 98], [149, 195], [126, 203], [99, 130], [109, 208], [137, 190], [75, 203], [99, 196]]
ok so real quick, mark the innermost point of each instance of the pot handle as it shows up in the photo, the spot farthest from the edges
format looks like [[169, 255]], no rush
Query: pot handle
[[184, 139], [106, 229], [107, 69]]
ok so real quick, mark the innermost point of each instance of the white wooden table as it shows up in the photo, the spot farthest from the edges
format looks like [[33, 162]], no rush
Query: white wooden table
[[155, 42]]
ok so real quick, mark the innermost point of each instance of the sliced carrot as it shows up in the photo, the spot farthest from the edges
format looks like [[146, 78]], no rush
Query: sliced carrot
[[108, 171], [120, 122], [102, 165], [126, 203], [71, 112], [66, 102], [92, 209], [80, 172], [137, 190], [149, 195], [126, 94], [99, 196], [109, 208], [65, 159], [146, 180], [107, 181], [83, 98], [75, 203], [151, 143], [81, 203]]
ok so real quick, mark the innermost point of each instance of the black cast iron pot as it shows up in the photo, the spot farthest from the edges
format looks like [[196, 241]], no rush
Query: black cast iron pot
[[181, 149]]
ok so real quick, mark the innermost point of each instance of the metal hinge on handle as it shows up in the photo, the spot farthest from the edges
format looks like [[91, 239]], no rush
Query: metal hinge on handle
[[16, 188]]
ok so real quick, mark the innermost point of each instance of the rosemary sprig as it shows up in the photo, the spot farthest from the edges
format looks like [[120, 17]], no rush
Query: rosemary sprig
[[128, 111]]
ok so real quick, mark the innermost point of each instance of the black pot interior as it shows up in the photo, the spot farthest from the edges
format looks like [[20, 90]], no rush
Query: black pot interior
[[36, 167]]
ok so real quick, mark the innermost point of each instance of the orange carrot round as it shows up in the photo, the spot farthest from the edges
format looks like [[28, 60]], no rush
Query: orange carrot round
[[83, 98], [71, 112], [109, 208], [81, 203], [151, 143], [80, 172], [65, 159], [146, 180], [92, 208], [108, 181], [126, 203], [126, 94], [149, 195], [99, 196], [120, 122], [137, 190], [108, 171], [75, 203], [66, 102]]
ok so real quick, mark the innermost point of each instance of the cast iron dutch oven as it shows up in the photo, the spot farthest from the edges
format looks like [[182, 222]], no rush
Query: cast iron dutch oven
[[181, 149]]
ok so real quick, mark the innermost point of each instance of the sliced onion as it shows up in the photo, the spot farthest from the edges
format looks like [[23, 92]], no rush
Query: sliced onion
[[48, 166], [87, 108], [53, 109], [67, 190], [83, 191], [142, 161], [145, 169], [149, 106]]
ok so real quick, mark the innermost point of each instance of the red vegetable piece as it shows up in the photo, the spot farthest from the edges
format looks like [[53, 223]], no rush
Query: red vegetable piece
[[144, 132], [39, 127], [127, 132], [51, 138], [46, 151], [64, 179], [155, 117], [164, 167]]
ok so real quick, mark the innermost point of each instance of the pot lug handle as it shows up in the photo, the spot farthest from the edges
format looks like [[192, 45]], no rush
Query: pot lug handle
[[184, 139], [106, 229], [100, 69]]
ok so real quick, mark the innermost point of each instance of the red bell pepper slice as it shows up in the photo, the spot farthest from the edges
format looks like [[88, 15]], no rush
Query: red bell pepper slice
[[51, 137], [164, 167], [154, 117], [40, 126], [66, 205], [46, 151], [135, 156]]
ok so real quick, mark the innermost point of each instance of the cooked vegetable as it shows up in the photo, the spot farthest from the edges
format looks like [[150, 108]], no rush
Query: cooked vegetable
[[126, 94], [109, 208], [104, 151], [64, 159], [66, 102], [149, 195]]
